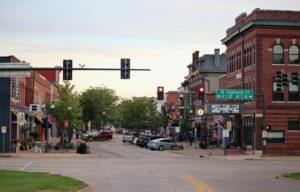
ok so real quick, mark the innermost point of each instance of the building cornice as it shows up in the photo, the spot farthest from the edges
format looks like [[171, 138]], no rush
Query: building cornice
[[264, 23]]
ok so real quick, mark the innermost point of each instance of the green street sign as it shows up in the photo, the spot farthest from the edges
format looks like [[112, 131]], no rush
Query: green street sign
[[238, 94], [189, 103]]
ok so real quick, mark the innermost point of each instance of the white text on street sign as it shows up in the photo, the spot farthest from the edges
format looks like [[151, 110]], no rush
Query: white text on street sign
[[238, 94]]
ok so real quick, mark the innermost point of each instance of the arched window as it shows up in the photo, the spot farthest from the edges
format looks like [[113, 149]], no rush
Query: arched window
[[278, 54], [293, 55]]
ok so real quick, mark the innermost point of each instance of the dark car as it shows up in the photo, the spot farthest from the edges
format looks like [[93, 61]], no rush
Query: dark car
[[144, 140]]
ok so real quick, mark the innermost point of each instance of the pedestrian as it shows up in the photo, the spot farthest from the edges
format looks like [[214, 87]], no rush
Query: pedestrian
[[191, 138]]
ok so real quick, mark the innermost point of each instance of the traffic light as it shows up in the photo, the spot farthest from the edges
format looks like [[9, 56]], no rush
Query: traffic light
[[279, 80], [268, 127], [160, 93], [125, 68], [67, 71], [201, 93], [284, 78], [295, 78]]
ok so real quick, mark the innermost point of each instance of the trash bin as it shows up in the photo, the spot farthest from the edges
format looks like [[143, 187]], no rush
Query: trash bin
[[82, 148]]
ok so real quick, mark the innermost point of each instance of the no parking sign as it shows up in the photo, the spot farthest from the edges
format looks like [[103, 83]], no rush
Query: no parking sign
[[3, 129]]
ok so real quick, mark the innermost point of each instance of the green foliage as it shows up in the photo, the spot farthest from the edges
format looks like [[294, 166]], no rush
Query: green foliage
[[68, 99], [138, 114], [185, 123], [292, 175], [98, 104], [164, 116], [28, 182]]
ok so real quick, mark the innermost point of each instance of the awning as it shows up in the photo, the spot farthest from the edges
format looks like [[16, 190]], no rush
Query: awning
[[20, 117], [38, 117]]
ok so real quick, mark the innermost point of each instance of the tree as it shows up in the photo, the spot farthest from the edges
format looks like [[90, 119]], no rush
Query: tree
[[67, 109], [185, 123], [164, 116], [98, 104], [138, 114]]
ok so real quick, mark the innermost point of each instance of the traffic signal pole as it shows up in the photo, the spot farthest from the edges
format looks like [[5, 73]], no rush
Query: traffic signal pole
[[61, 68]]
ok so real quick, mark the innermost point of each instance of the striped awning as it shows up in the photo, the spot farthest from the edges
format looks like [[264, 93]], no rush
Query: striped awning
[[20, 117], [38, 117]]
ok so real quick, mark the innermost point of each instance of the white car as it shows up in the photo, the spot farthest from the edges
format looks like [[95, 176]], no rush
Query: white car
[[163, 144], [92, 132], [127, 137]]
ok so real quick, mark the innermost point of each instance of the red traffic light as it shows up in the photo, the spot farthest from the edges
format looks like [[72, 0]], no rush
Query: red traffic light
[[160, 89], [160, 93], [201, 90], [201, 93]]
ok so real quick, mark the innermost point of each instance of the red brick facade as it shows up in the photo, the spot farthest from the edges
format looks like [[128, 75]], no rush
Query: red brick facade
[[172, 104], [250, 65], [35, 89]]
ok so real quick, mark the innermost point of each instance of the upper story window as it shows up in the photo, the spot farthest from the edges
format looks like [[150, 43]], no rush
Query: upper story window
[[277, 54], [277, 95], [294, 55], [293, 124], [294, 92]]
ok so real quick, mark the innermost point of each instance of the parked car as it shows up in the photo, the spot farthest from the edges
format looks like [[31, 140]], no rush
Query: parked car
[[129, 137], [94, 135], [93, 132], [164, 144], [142, 142], [103, 135]]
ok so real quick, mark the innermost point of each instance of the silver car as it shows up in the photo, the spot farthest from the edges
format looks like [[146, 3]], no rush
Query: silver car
[[163, 144]]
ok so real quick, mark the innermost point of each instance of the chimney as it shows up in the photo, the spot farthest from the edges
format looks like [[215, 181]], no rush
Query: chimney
[[195, 56], [217, 58]]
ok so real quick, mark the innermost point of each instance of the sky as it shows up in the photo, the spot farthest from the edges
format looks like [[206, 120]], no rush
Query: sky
[[159, 35]]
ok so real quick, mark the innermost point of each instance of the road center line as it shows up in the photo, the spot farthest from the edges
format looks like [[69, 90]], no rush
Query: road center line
[[199, 184], [25, 166]]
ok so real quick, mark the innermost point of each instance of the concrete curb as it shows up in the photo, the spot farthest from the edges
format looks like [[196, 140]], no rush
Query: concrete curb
[[258, 156], [48, 155], [87, 189]]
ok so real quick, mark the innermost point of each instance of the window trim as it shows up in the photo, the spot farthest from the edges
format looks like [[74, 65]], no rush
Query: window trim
[[294, 54], [277, 54]]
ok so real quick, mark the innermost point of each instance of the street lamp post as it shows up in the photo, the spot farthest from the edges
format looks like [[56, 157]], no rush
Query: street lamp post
[[69, 126], [47, 125], [46, 128], [103, 119]]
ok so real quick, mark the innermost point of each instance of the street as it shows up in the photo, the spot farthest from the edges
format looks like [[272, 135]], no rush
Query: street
[[119, 167]]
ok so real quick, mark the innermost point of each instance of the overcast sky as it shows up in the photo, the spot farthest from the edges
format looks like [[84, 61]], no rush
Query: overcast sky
[[157, 34]]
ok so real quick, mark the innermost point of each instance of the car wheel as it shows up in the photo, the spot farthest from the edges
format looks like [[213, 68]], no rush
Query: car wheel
[[161, 148], [123, 141]]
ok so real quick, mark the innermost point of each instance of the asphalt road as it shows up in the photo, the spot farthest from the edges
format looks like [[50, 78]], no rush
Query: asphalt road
[[125, 167]]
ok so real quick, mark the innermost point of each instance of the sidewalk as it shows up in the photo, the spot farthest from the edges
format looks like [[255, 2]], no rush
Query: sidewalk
[[232, 154], [31, 153]]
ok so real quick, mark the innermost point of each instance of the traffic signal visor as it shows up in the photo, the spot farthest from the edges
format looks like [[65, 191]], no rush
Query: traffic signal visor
[[160, 93]]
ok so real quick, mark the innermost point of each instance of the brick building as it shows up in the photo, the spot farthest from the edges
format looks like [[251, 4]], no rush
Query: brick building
[[259, 45], [204, 71], [17, 95]]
